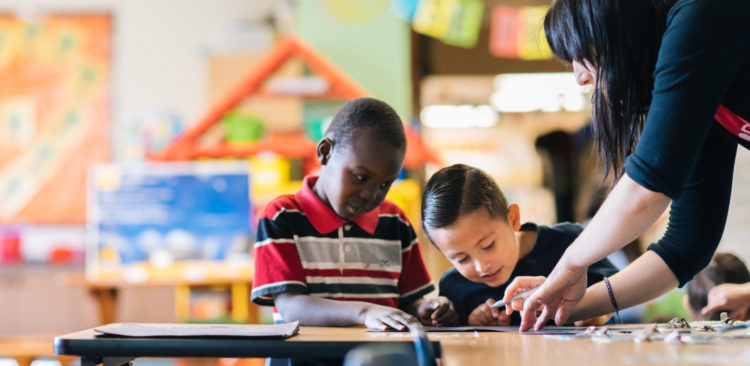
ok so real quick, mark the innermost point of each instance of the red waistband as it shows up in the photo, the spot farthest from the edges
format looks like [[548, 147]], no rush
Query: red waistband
[[733, 123]]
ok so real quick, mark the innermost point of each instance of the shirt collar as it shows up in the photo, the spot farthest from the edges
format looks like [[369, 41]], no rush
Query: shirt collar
[[323, 218]]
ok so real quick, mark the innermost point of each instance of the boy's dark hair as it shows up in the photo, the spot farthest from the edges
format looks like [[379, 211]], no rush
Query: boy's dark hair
[[621, 40], [458, 190], [367, 116], [724, 268]]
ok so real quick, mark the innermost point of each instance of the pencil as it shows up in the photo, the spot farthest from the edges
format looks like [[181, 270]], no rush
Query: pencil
[[520, 295]]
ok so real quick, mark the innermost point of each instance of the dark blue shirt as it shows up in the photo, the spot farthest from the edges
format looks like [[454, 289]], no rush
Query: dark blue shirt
[[704, 62], [550, 245]]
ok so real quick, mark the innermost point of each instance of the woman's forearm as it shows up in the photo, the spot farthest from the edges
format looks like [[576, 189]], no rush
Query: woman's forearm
[[629, 210], [316, 311], [647, 278]]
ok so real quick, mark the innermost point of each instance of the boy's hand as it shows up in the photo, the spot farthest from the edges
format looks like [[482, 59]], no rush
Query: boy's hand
[[731, 297], [438, 312], [380, 317], [599, 320], [486, 315]]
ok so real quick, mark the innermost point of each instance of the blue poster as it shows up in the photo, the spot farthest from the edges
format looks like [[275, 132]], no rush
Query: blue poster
[[163, 213]]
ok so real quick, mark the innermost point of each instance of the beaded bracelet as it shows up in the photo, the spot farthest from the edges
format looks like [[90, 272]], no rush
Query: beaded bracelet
[[612, 299]]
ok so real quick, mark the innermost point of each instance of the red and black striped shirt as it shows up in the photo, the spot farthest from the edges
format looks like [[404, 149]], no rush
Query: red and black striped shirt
[[303, 246]]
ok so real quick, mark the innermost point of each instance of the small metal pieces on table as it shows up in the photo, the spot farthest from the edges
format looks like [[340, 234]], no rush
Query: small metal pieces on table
[[724, 317], [646, 334], [590, 330], [674, 337], [678, 323]]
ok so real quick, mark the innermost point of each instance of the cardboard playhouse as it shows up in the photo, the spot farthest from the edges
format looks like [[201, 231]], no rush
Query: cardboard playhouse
[[273, 156]]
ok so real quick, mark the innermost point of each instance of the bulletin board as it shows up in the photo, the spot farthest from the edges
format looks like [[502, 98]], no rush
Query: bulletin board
[[55, 114], [167, 221]]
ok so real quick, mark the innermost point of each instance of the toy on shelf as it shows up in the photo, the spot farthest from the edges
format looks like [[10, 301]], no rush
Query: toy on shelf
[[335, 86]]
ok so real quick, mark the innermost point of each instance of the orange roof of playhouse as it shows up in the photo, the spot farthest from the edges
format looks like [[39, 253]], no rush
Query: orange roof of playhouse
[[341, 86]]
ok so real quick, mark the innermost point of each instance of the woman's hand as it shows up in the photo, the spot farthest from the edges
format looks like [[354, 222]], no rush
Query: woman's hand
[[731, 297], [557, 296], [438, 312], [380, 317], [485, 314]]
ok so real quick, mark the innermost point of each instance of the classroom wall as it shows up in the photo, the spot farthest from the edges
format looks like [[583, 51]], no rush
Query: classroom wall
[[160, 61], [160, 49], [367, 41]]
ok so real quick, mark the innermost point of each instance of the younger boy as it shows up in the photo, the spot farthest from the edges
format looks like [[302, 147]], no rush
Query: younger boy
[[723, 268], [335, 253], [467, 217]]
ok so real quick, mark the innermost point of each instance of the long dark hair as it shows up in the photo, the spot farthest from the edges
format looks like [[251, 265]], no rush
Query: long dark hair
[[621, 40], [458, 190]]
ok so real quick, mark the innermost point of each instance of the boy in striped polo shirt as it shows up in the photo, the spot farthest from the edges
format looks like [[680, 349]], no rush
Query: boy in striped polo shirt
[[336, 253]]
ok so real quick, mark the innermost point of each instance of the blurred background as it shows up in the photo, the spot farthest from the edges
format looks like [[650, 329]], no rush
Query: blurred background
[[138, 140]]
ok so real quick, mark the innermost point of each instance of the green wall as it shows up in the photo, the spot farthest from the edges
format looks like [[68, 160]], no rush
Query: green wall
[[365, 40]]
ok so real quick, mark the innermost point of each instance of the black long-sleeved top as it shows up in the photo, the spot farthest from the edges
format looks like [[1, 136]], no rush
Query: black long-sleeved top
[[704, 62]]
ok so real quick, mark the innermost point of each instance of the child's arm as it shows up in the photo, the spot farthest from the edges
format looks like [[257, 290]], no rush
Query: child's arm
[[599, 320], [316, 311], [414, 281], [438, 311]]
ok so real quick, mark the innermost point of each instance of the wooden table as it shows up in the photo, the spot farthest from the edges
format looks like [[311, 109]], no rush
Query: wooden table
[[311, 342], [485, 348], [517, 349]]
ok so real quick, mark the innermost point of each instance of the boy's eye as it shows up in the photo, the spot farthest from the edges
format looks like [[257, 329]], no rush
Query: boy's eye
[[489, 246], [462, 260], [386, 185], [359, 178]]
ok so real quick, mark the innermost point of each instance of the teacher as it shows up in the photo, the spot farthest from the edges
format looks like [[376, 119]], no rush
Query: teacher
[[671, 104]]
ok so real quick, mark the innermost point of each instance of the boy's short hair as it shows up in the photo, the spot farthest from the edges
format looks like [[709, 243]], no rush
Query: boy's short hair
[[367, 115], [723, 268], [457, 190]]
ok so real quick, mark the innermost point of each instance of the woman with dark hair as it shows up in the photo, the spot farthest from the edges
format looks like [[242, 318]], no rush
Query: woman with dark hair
[[671, 103]]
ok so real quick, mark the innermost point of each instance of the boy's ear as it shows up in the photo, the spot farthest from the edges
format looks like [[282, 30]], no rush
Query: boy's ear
[[514, 216], [324, 150]]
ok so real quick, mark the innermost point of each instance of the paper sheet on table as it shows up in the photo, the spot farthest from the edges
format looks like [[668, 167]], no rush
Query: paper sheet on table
[[550, 330], [200, 330], [545, 330]]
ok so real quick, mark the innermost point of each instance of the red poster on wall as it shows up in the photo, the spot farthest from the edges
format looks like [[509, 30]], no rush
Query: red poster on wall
[[54, 114], [504, 31], [518, 32]]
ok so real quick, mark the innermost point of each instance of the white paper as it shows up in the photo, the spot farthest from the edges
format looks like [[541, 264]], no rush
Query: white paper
[[200, 330]]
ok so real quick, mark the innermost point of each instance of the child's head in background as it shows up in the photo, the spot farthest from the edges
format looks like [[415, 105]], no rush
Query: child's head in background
[[361, 156], [723, 268], [466, 216]]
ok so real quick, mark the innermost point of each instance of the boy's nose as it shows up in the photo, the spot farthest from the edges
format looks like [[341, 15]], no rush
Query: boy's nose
[[481, 267]]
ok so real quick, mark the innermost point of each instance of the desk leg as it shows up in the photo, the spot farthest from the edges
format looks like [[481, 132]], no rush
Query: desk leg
[[106, 299], [106, 361], [24, 360], [117, 361]]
